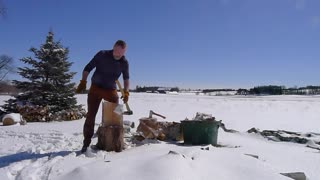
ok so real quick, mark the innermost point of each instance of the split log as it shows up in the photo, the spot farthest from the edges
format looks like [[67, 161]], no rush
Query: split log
[[111, 114], [148, 128]]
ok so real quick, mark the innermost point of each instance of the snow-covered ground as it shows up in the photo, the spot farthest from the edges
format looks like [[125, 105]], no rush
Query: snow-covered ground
[[48, 150]]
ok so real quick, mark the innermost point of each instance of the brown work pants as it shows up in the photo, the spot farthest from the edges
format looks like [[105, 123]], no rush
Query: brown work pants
[[95, 96]]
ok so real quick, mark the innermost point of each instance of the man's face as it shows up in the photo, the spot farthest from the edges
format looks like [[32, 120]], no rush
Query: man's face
[[118, 52]]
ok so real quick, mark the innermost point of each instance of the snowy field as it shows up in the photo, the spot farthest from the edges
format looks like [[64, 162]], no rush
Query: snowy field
[[48, 150]]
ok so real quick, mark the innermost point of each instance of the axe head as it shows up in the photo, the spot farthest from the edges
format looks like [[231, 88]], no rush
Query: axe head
[[127, 112], [119, 110]]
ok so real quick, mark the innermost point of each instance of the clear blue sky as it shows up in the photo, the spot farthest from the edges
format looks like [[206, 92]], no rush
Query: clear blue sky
[[185, 43]]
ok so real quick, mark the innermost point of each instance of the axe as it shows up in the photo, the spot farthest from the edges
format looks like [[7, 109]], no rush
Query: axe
[[128, 112]]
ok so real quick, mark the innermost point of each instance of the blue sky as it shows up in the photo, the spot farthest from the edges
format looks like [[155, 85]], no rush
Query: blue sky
[[184, 43]]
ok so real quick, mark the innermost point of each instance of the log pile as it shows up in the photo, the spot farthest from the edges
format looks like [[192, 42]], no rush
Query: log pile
[[35, 113], [150, 128], [68, 115]]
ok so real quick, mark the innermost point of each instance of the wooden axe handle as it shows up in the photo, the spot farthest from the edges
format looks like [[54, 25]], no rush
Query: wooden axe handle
[[122, 93], [152, 112]]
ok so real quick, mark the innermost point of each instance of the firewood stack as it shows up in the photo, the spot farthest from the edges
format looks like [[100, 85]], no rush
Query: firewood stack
[[68, 115], [34, 113], [151, 128]]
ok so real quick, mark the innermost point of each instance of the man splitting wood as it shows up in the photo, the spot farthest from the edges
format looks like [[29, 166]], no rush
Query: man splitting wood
[[109, 65]]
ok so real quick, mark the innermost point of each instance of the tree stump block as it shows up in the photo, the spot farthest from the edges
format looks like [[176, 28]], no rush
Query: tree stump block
[[110, 138], [111, 132]]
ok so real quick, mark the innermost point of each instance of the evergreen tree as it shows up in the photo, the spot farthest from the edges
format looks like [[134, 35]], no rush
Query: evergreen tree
[[48, 79]]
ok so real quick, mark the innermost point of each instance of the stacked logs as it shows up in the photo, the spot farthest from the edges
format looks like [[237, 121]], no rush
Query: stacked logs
[[35, 113]]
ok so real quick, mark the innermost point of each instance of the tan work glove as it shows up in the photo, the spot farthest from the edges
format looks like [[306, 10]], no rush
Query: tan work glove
[[125, 96], [82, 86]]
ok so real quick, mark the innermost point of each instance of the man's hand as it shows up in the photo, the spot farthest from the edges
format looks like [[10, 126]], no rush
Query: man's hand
[[82, 86], [125, 96]]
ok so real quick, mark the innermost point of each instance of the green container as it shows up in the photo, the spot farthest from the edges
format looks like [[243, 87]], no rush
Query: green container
[[200, 132]]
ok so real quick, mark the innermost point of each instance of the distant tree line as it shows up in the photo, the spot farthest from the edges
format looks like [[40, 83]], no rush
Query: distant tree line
[[312, 90], [215, 90], [145, 89], [155, 89], [279, 90], [257, 90], [269, 90]]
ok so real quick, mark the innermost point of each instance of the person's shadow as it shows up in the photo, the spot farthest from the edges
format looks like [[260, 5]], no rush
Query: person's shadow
[[13, 158]]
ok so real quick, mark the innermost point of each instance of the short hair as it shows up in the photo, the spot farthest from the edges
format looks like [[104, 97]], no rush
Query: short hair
[[120, 43]]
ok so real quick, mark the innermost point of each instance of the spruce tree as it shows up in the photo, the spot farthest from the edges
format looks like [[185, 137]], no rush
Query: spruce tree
[[48, 79]]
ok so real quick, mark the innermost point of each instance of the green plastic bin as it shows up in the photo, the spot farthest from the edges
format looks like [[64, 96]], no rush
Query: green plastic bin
[[200, 132]]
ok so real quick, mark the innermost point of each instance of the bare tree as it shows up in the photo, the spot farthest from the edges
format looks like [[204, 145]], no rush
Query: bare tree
[[6, 66], [3, 9], [6, 87]]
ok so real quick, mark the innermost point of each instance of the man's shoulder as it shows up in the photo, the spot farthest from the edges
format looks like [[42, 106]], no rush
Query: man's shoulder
[[102, 54], [124, 58], [105, 52]]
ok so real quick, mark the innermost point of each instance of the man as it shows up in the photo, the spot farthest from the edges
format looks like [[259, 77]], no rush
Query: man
[[109, 65]]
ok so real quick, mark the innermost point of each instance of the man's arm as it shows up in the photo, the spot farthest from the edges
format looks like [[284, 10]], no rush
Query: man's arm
[[83, 82], [85, 75], [88, 68], [126, 84]]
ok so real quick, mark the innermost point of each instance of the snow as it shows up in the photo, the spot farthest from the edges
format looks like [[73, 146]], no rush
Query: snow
[[48, 150]]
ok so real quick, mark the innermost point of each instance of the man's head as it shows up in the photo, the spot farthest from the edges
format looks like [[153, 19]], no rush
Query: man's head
[[119, 49]]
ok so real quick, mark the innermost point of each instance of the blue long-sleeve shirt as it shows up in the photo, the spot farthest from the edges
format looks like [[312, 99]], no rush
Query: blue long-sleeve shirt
[[108, 69]]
